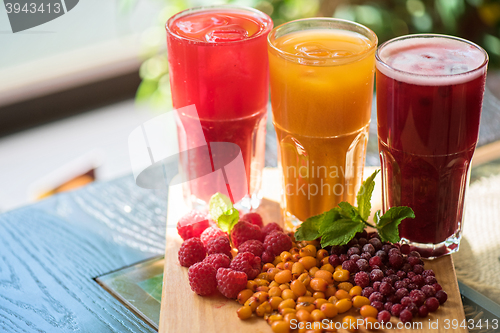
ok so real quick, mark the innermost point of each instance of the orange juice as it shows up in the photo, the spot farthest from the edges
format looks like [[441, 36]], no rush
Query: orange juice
[[321, 75]]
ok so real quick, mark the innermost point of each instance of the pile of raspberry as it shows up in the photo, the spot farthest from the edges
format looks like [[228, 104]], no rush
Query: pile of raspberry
[[208, 252], [392, 277]]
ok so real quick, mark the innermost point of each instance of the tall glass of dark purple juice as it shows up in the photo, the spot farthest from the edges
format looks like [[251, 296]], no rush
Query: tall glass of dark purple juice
[[429, 97]]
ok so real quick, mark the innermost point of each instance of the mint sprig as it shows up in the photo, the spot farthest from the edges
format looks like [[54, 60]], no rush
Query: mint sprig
[[340, 224], [221, 210]]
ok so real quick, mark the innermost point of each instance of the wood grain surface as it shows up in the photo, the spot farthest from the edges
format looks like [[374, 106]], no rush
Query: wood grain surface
[[184, 311]]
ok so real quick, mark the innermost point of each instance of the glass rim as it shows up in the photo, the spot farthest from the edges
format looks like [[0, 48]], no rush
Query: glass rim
[[412, 36], [285, 54], [265, 19]]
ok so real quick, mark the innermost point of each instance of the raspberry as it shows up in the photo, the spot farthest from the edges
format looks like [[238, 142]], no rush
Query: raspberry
[[385, 289], [219, 245], [350, 265], [218, 260], [202, 278], [429, 291], [253, 246], [384, 316], [253, 218], [230, 282], [334, 260], [271, 227], [247, 263], [442, 296], [362, 265], [277, 242], [367, 292], [432, 304], [211, 233], [191, 252], [377, 305], [376, 297], [267, 256], [396, 309], [375, 261], [192, 224], [406, 316], [376, 275], [423, 311], [244, 231]]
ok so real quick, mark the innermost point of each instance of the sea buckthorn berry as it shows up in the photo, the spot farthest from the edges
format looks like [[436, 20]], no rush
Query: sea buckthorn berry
[[371, 323], [277, 260], [275, 302], [313, 271], [261, 296], [343, 305], [368, 311], [284, 286], [296, 257], [350, 323], [360, 301], [244, 312], [280, 326], [274, 284], [288, 265], [319, 301], [338, 268], [280, 266], [244, 295], [325, 261], [305, 306], [318, 284], [263, 288], [347, 286], [312, 249], [283, 276], [317, 315], [298, 287], [303, 315], [297, 268], [325, 275], [262, 276], [271, 273], [286, 311], [294, 250], [341, 275], [319, 294], [333, 299], [274, 318], [252, 285], [267, 266], [263, 309], [305, 279], [285, 256], [308, 299], [288, 294], [287, 303], [341, 294], [308, 293], [252, 302], [306, 252], [261, 282], [329, 309], [289, 316], [355, 291], [321, 254], [308, 262], [274, 291], [327, 267]]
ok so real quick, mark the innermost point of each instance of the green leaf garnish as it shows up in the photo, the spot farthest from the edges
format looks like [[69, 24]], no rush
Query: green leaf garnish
[[340, 224], [387, 224], [222, 211], [364, 196]]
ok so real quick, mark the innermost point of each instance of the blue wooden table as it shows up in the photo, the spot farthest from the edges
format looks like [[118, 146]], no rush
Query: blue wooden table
[[51, 251]]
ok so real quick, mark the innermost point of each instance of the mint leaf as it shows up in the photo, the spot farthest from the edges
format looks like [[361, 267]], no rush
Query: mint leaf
[[365, 195], [309, 229], [349, 211], [329, 217], [228, 220], [387, 224], [341, 232], [221, 210]]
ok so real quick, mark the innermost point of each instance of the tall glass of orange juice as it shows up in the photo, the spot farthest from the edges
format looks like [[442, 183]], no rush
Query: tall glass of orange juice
[[321, 75]]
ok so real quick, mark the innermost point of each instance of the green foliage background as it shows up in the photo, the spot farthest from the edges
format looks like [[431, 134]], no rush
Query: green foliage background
[[475, 20]]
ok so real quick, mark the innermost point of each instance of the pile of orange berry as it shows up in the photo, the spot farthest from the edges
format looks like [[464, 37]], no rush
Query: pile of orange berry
[[300, 289]]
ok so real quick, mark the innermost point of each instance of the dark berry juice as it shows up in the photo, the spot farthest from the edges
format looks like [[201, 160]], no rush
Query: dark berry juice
[[218, 62], [429, 98]]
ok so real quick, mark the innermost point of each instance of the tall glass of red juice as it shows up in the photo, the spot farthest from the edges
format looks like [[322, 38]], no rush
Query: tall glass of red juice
[[429, 97], [218, 62]]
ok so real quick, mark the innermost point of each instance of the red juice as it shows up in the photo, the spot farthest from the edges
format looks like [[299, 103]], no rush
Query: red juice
[[429, 99], [218, 62]]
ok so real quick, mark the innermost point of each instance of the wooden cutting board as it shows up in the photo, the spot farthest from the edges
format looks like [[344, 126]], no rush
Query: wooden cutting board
[[184, 311]]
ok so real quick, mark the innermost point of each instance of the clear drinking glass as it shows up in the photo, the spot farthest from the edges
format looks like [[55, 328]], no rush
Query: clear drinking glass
[[321, 74], [218, 63], [429, 97]]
